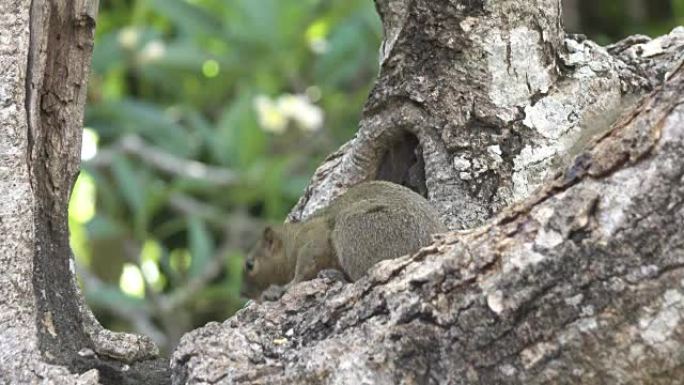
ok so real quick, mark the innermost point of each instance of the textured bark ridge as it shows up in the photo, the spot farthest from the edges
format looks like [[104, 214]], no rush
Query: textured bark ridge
[[581, 283], [47, 333]]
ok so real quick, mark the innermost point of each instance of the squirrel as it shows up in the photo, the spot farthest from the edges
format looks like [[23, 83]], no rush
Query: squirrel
[[370, 222]]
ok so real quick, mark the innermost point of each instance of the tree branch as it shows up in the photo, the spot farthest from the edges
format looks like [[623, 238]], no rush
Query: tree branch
[[165, 162]]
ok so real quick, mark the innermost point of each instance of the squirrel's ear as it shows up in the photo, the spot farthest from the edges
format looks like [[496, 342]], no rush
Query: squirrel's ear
[[268, 234], [270, 237]]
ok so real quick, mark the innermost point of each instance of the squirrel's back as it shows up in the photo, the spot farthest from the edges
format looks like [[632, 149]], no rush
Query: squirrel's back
[[378, 220]]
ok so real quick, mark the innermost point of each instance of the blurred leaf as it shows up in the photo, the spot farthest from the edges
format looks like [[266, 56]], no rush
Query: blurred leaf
[[102, 226], [109, 296], [294, 187], [189, 19], [255, 22], [201, 246], [239, 140], [82, 200], [234, 263], [108, 200], [345, 58], [149, 120], [131, 188], [178, 56], [132, 281], [78, 241], [133, 191], [107, 53]]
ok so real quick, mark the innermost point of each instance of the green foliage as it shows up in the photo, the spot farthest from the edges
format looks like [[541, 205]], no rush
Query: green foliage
[[183, 78]]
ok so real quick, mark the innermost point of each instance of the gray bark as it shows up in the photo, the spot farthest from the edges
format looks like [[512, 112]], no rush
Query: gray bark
[[574, 275]]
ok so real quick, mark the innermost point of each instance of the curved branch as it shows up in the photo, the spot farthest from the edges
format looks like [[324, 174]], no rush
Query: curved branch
[[165, 162]]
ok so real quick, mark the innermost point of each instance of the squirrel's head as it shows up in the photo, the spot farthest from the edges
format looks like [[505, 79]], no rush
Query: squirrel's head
[[265, 264]]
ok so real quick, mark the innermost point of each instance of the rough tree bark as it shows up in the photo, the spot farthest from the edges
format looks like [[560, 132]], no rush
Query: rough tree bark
[[477, 105], [47, 334]]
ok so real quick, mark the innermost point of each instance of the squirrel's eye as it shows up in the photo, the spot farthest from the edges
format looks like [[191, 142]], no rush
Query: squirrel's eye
[[249, 264]]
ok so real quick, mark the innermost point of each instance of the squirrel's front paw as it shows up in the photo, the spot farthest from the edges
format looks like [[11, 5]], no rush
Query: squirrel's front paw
[[273, 293], [333, 275]]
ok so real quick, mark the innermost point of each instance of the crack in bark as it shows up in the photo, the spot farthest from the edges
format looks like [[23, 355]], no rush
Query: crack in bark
[[28, 89]]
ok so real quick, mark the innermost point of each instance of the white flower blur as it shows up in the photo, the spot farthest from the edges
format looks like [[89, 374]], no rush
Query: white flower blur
[[298, 108], [89, 144], [319, 46], [154, 50], [128, 37], [270, 118], [274, 116]]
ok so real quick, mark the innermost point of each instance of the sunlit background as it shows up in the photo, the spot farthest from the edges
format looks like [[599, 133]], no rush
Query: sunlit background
[[206, 118]]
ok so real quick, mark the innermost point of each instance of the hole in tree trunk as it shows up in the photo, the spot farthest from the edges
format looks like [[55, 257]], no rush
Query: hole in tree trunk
[[403, 164]]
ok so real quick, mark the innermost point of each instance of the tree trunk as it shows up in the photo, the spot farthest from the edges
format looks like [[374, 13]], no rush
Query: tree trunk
[[574, 275], [47, 334]]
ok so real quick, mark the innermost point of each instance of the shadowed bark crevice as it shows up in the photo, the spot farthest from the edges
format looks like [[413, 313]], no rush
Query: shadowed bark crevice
[[403, 164]]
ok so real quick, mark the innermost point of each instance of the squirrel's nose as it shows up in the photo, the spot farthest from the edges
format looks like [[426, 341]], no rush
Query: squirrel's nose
[[249, 265]]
